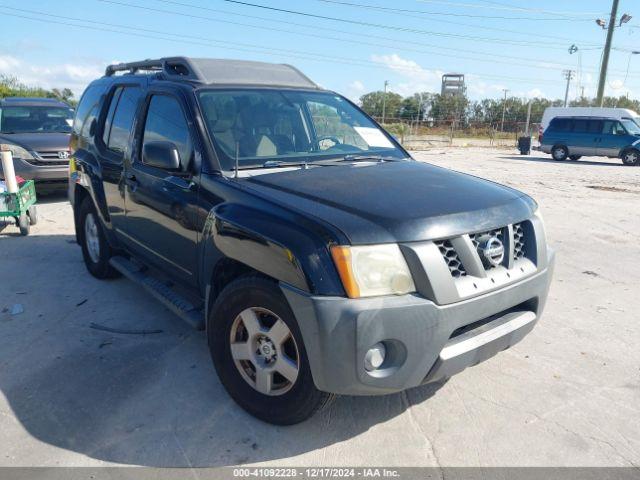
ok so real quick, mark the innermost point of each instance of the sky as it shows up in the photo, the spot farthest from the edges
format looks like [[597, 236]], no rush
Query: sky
[[349, 46]]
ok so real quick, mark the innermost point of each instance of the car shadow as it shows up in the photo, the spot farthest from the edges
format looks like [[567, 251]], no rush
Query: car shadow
[[151, 400], [528, 158]]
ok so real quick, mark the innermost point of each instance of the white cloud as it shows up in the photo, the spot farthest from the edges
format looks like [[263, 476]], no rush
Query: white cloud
[[419, 79], [355, 90], [75, 76]]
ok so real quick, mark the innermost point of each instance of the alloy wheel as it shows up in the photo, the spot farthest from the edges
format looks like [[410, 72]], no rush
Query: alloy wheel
[[264, 351]]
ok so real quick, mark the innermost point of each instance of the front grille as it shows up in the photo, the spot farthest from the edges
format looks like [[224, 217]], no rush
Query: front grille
[[50, 154], [47, 163], [518, 241], [451, 257]]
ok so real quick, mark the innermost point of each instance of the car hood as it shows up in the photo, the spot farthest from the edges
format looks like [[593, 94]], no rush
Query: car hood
[[395, 201], [45, 141]]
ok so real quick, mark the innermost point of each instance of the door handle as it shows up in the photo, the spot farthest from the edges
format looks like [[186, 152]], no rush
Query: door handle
[[131, 180]]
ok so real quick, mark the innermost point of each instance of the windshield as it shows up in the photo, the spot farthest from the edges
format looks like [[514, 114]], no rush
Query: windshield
[[631, 126], [288, 126], [23, 119]]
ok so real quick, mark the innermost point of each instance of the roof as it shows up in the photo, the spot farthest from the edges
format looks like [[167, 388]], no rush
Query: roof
[[32, 102], [219, 72]]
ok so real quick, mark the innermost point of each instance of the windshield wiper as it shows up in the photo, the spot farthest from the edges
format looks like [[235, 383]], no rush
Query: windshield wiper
[[369, 158]]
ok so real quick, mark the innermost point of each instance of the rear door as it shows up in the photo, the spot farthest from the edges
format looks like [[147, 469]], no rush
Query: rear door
[[113, 144], [614, 138], [161, 205]]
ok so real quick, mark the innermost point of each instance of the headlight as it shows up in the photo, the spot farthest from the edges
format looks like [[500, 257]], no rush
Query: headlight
[[19, 152], [371, 270]]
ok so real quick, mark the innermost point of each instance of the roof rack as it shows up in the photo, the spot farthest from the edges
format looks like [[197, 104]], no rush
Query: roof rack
[[218, 71]]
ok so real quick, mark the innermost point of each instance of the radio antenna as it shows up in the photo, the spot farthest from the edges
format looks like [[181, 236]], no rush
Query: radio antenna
[[237, 155]]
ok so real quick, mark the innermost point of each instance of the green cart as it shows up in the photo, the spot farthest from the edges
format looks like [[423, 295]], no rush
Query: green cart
[[20, 206]]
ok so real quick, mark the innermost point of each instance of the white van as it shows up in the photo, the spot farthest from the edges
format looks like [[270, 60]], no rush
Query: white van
[[614, 113]]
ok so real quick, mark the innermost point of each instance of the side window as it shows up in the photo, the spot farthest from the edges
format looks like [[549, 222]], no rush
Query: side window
[[580, 126], [595, 126], [87, 111], [166, 122], [123, 117], [561, 125], [106, 130], [618, 129]]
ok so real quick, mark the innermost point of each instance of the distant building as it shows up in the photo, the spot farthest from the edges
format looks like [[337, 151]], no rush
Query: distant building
[[453, 84]]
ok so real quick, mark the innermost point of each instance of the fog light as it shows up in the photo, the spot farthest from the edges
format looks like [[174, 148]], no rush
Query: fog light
[[375, 357]]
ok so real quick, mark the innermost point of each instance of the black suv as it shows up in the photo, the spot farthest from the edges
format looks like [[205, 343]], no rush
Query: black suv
[[37, 131], [319, 257]]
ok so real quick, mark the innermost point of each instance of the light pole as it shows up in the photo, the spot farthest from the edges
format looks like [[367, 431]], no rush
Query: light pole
[[568, 74], [504, 107], [607, 47], [384, 100]]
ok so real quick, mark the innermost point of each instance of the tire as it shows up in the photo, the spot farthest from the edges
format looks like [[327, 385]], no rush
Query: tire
[[33, 215], [24, 225], [260, 300], [575, 157], [559, 153], [95, 249], [631, 157]]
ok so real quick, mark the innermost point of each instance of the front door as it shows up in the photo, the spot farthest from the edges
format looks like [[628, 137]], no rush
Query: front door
[[161, 205], [613, 139]]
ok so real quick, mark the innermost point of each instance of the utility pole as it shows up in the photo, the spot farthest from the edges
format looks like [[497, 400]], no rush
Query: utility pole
[[504, 107], [384, 100], [607, 51], [568, 74]]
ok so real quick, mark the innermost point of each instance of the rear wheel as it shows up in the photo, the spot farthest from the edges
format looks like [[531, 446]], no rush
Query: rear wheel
[[631, 157], [259, 354], [95, 249], [560, 153], [575, 157], [33, 214]]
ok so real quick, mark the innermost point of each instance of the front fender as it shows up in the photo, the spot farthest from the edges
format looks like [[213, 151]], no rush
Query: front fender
[[285, 250]]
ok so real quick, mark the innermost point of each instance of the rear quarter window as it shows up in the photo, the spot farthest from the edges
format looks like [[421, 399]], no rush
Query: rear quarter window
[[87, 111], [561, 125]]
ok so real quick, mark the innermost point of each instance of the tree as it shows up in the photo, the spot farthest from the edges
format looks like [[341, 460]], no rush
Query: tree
[[12, 87], [372, 103]]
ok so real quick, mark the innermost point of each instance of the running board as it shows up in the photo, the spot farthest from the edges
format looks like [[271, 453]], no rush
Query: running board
[[172, 300]]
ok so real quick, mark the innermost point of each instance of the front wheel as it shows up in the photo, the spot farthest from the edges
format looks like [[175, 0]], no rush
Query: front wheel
[[96, 252], [559, 153], [258, 352], [24, 225], [631, 157]]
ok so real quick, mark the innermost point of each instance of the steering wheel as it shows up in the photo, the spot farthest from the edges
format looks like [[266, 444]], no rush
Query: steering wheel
[[333, 138]]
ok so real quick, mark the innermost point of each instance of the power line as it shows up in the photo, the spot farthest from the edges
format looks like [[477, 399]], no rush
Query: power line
[[411, 12], [503, 59], [189, 39], [512, 8], [481, 27], [396, 46], [384, 26]]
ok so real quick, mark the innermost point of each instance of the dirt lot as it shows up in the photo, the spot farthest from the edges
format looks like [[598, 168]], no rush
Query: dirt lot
[[569, 394]]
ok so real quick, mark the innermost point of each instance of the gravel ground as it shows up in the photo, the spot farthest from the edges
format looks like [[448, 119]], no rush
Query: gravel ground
[[567, 395]]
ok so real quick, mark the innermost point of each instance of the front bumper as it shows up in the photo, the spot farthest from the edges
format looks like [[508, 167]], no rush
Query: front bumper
[[40, 173], [425, 342]]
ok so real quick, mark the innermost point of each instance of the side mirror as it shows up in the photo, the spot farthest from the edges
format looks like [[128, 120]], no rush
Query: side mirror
[[162, 155]]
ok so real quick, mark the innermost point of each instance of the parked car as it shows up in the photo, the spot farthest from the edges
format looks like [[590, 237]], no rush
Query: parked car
[[319, 257], [612, 113], [37, 130], [573, 137]]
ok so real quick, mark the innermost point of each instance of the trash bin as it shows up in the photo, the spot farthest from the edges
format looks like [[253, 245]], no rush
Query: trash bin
[[524, 145]]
